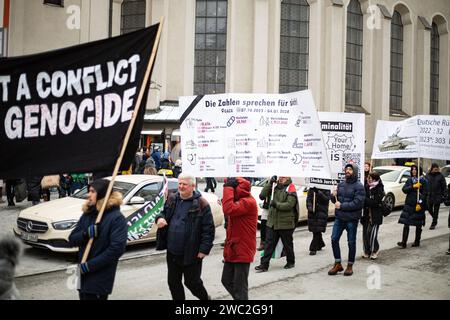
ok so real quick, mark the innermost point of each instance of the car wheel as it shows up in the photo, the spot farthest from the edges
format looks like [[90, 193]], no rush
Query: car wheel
[[390, 200]]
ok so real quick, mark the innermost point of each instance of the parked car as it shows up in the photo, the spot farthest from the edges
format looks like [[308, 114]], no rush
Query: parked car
[[49, 224], [301, 196], [394, 178]]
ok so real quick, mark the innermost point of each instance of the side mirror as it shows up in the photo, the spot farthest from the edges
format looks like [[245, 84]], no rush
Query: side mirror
[[137, 200]]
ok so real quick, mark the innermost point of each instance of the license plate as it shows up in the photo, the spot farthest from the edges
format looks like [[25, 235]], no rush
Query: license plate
[[29, 237]]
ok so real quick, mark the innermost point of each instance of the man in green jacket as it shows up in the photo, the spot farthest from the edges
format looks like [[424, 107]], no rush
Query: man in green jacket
[[282, 220]]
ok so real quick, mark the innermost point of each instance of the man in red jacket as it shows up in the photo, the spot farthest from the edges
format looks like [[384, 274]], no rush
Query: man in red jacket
[[240, 245]]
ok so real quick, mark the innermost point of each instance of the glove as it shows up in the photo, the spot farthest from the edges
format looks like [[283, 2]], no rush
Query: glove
[[273, 179], [417, 185], [418, 207], [273, 204], [84, 268], [231, 182], [92, 231]]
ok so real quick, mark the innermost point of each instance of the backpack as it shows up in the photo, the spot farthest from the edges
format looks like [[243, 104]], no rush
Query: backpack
[[385, 208]]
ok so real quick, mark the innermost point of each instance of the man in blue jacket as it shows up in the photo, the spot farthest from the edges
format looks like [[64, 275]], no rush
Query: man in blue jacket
[[349, 202], [110, 239]]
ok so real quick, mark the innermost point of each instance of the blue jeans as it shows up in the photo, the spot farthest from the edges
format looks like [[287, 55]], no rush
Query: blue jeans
[[338, 228]]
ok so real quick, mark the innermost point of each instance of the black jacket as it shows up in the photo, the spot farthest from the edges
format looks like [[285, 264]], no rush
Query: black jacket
[[350, 194], [409, 215], [34, 188], [318, 216], [437, 188], [106, 249], [200, 230], [372, 212]]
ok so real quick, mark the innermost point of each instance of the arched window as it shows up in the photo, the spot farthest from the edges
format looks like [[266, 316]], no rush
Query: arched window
[[353, 69], [210, 46], [434, 70], [395, 98], [294, 49], [133, 15]]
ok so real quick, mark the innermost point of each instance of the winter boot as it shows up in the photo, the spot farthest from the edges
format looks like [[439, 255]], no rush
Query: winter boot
[[336, 268], [349, 270], [418, 236]]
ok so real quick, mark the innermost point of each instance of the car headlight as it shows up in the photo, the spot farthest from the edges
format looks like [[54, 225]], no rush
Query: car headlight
[[64, 225]]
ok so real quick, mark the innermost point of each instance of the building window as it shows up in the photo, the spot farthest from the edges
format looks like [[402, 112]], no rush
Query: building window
[[434, 70], [294, 48], [353, 69], [58, 3], [210, 46], [2, 42], [395, 98], [133, 15]]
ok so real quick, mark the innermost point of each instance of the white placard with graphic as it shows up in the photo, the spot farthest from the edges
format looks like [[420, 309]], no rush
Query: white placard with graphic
[[252, 135]]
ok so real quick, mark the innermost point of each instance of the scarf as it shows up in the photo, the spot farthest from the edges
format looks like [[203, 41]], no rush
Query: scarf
[[373, 184]]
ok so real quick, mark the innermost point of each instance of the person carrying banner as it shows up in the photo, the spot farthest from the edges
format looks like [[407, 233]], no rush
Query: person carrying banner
[[317, 202], [413, 213], [240, 245], [110, 239], [186, 229], [437, 190], [372, 216], [282, 220], [349, 202]]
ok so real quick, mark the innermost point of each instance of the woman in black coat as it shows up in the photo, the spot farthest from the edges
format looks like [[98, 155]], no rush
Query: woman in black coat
[[317, 217], [372, 216], [413, 213]]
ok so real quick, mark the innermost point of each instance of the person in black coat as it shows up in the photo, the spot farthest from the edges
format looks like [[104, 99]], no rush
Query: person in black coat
[[317, 202], [186, 229], [110, 239], [372, 216], [447, 203], [413, 213], [34, 189], [437, 190]]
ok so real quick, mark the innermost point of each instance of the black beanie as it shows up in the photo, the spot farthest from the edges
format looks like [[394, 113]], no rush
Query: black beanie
[[100, 186]]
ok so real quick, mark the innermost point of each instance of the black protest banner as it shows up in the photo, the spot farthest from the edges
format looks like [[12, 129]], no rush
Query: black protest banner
[[68, 110]]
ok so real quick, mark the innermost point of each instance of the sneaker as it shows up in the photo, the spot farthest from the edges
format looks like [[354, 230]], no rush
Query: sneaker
[[365, 255], [374, 255], [289, 265], [261, 268], [312, 253]]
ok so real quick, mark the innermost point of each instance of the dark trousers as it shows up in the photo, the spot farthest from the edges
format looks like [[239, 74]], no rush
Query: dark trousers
[[211, 184], [338, 228], [406, 234], [235, 279], [316, 242], [433, 208], [192, 280], [272, 237], [263, 230], [370, 238], [91, 296], [10, 185]]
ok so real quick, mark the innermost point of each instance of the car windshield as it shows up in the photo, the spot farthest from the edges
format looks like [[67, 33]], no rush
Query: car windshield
[[389, 175], [123, 187]]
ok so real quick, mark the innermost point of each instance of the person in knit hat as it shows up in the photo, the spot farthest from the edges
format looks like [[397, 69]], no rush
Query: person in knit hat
[[110, 239], [150, 167], [10, 251]]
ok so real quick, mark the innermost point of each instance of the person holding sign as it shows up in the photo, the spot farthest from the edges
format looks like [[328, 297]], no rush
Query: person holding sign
[[349, 202], [282, 220], [241, 210], [413, 214], [98, 272], [317, 202]]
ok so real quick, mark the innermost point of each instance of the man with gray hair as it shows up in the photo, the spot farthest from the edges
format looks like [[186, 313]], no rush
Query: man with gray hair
[[186, 230]]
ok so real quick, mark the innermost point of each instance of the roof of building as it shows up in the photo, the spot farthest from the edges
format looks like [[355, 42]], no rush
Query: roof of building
[[166, 113]]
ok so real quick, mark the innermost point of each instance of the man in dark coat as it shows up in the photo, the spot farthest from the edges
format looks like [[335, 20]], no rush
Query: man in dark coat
[[110, 239], [317, 202], [447, 203], [240, 245], [349, 202], [372, 216], [437, 190], [34, 189], [413, 213], [186, 229]]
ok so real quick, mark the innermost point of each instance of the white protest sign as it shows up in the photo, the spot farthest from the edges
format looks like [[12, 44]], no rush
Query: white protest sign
[[434, 136], [396, 139], [344, 136], [252, 135]]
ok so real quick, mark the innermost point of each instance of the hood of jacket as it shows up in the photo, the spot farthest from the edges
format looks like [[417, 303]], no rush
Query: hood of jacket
[[354, 176], [243, 189], [115, 200]]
